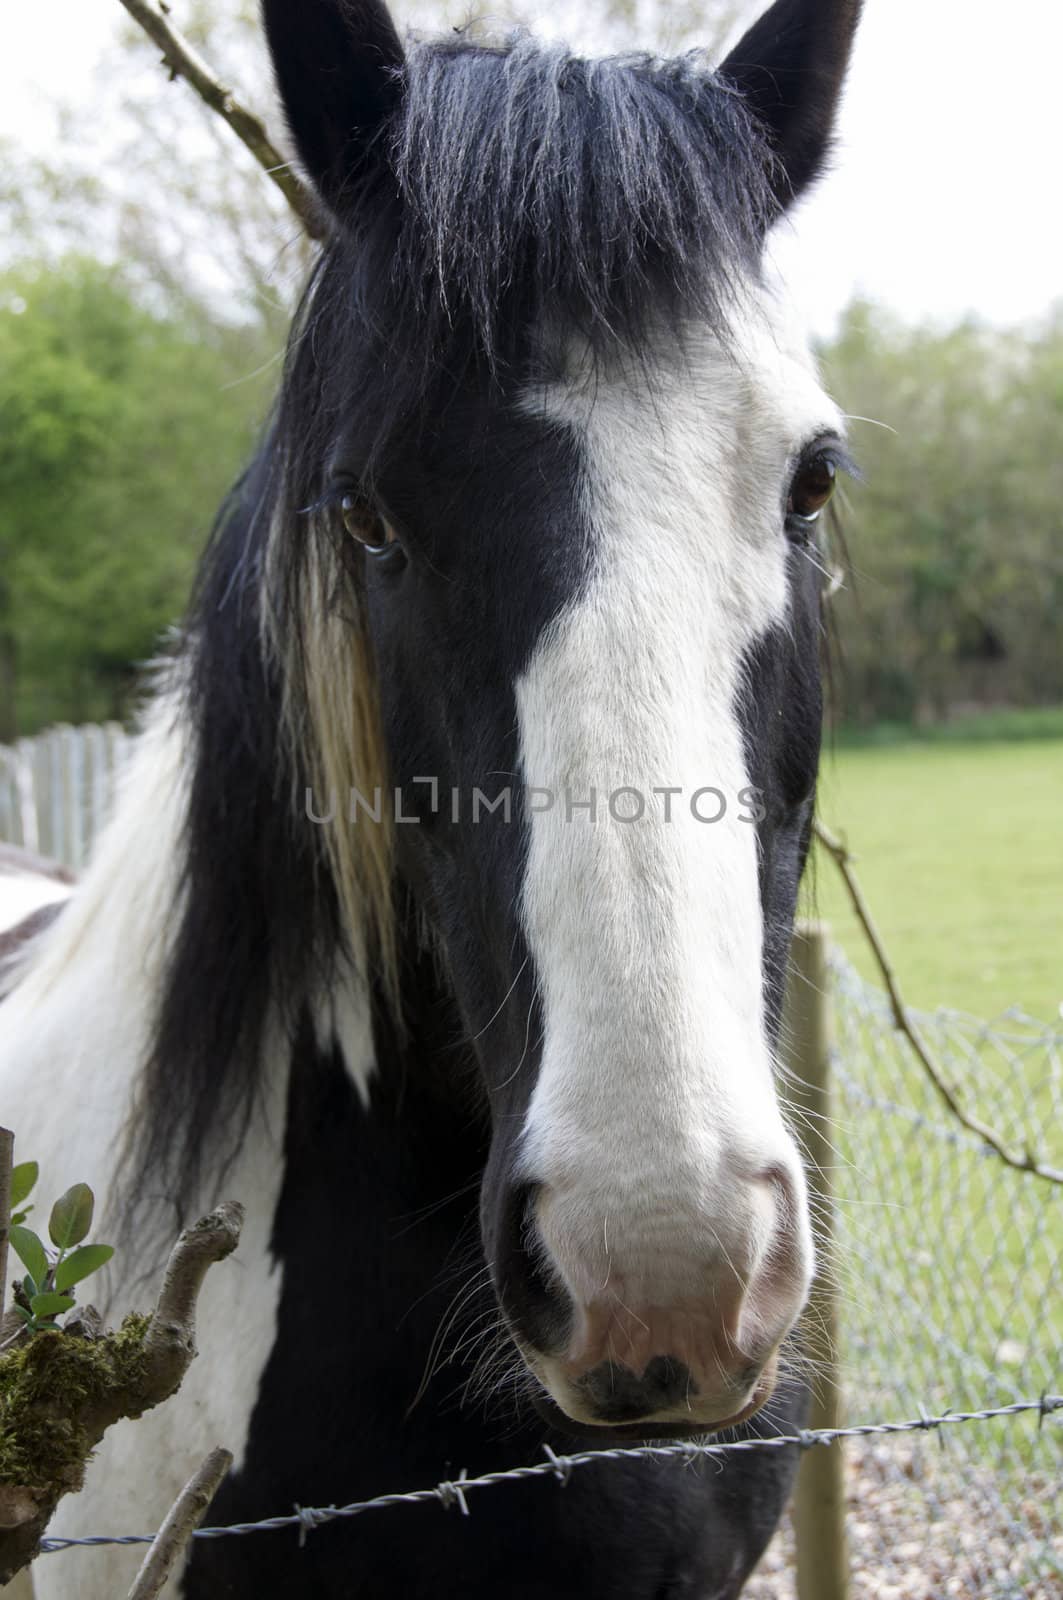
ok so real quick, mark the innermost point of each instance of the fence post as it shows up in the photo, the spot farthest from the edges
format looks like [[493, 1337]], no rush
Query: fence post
[[819, 1500], [28, 828]]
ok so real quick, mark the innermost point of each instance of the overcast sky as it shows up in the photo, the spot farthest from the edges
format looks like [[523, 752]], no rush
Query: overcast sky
[[946, 194]]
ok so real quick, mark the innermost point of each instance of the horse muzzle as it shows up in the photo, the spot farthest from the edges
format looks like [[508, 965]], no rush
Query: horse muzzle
[[656, 1315]]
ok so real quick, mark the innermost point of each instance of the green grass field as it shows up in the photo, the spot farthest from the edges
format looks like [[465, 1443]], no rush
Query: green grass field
[[960, 855]]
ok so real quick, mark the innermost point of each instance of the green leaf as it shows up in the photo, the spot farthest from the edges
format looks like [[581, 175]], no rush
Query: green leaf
[[27, 1316], [79, 1263], [71, 1216], [29, 1288], [23, 1177], [50, 1305], [30, 1251], [20, 1216]]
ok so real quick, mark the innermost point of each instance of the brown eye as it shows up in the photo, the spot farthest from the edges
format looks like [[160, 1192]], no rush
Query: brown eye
[[366, 526], [812, 487]]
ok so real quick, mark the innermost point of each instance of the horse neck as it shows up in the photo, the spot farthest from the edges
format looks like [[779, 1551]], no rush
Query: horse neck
[[379, 1203], [421, 1083]]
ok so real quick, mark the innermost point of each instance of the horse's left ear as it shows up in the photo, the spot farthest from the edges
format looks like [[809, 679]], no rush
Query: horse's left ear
[[338, 65], [789, 68]]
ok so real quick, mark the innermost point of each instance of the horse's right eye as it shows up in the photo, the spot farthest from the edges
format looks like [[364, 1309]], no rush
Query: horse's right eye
[[811, 489], [365, 525]]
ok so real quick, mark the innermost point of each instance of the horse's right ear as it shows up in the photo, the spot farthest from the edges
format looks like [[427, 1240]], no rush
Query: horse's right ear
[[789, 68], [338, 65]]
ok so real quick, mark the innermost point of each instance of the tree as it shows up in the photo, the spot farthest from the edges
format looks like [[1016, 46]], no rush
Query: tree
[[123, 428], [957, 571]]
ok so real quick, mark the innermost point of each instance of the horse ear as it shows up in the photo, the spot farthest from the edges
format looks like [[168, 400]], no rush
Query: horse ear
[[789, 68], [338, 65]]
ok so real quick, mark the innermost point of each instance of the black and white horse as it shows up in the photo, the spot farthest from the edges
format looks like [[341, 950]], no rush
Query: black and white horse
[[444, 917]]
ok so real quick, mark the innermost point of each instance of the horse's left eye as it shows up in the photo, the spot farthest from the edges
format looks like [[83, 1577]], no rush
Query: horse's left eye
[[811, 488], [366, 526]]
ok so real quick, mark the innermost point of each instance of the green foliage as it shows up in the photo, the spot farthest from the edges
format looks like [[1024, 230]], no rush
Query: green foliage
[[123, 426], [23, 1177], [956, 582], [1005, 726], [42, 1295], [80, 1263], [71, 1217], [31, 1252], [48, 1305]]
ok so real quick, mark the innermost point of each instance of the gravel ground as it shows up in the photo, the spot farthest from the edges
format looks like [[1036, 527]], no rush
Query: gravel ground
[[910, 1544]]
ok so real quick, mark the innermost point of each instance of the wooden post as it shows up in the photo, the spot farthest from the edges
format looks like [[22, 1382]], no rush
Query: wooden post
[[819, 1500], [29, 831], [7, 1158]]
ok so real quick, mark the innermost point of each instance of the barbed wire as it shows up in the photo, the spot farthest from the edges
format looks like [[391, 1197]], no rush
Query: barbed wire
[[453, 1492], [905, 1021]]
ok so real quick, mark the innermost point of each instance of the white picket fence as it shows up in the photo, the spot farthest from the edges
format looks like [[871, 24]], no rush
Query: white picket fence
[[56, 789]]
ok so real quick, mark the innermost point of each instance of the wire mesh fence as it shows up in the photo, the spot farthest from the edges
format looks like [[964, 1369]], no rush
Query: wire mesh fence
[[950, 1269]]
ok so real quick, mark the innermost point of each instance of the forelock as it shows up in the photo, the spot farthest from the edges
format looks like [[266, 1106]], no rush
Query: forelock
[[601, 194]]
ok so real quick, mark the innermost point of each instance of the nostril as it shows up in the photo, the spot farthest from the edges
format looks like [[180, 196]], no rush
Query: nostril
[[783, 1182], [785, 1186], [616, 1394], [779, 1286], [539, 1314], [519, 1218]]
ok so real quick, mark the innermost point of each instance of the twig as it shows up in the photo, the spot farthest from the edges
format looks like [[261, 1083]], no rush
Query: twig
[[168, 1348], [905, 1022], [170, 1342], [184, 61], [7, 1156], [183, 1519]]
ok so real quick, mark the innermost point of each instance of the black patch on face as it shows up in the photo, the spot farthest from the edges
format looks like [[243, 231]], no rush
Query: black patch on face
[[488, 505], [488, 508], [781, 713]]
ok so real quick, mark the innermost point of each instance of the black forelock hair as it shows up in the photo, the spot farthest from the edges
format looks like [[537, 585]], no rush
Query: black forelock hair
[[537, 184], [520, 192], [517, 187]]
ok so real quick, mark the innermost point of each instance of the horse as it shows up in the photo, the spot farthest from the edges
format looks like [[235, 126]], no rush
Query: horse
[[444, 915]]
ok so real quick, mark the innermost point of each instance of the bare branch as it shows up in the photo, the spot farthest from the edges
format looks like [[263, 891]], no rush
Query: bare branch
[[184, 61], [130, 1375], [906, 1023], [170, 1342], [182, 1520]]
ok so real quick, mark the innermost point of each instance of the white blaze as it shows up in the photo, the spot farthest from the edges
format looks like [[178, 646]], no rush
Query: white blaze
[[655, 1097]]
